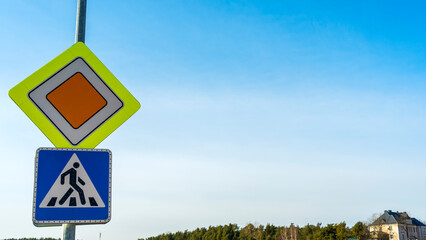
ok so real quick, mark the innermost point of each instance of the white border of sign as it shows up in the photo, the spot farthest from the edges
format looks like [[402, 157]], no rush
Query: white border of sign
[[75, 135]]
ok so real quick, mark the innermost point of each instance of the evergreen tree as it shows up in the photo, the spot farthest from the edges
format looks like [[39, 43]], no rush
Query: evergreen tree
[[360, 231]]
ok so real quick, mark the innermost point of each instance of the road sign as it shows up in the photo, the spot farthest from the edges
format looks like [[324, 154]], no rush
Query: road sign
[[74, 99], [72, 186]]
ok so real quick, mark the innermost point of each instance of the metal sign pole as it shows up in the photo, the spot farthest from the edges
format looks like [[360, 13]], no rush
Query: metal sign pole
[[80, 31], [68, 230]]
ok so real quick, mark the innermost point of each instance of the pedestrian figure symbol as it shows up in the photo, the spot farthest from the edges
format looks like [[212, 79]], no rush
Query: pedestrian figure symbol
[[73, 188], [73, 182]]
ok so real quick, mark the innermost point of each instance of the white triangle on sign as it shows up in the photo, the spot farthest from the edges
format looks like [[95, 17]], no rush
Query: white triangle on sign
[[73, 188]]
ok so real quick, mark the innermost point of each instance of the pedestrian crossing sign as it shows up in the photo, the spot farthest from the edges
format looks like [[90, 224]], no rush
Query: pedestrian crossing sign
[[74, 99], [72, 186]]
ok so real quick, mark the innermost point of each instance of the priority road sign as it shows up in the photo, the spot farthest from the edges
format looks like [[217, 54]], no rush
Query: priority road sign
[[72, 186], [74, 99]]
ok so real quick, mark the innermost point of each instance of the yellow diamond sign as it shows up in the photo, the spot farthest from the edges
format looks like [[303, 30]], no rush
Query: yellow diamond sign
[[74, 99]]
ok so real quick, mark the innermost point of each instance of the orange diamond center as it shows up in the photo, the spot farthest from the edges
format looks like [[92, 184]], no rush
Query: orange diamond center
[[76, 100]]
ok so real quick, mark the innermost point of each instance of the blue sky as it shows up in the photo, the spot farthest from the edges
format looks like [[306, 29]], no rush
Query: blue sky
[[252, 111]]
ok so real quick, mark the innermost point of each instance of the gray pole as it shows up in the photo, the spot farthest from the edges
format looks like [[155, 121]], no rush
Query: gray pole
[[68, 230], [80, 30]]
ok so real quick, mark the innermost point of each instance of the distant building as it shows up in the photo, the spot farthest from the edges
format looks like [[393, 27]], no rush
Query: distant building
[[399, 226]]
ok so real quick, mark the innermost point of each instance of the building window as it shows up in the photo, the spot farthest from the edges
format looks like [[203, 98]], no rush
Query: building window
[[390, 228], [403, 236]]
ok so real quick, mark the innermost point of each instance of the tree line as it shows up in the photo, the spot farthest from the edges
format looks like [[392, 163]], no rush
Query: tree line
[[338, 231], [32, 239]]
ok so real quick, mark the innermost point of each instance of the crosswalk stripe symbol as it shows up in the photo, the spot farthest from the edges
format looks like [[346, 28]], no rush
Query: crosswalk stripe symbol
[[72, 188]]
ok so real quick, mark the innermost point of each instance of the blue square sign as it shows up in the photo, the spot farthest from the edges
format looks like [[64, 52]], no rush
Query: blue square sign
[[72, 186]]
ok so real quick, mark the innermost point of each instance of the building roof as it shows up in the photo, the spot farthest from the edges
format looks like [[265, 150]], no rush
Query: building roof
[[389, 217]]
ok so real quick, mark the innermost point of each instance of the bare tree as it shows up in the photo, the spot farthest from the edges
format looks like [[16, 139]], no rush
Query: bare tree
[[289, 233]]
